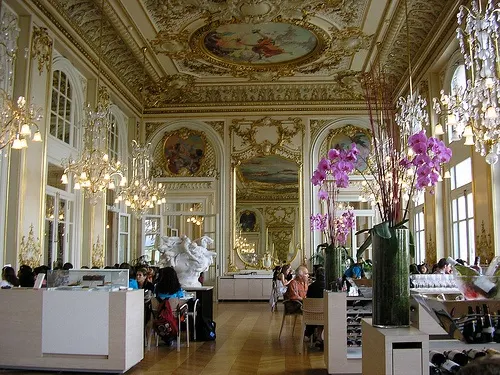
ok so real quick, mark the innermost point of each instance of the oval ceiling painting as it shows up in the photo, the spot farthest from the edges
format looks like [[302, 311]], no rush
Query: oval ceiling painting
[[259, 44]]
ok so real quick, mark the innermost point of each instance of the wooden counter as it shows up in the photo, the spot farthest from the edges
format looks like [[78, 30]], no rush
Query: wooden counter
[[71, 330]]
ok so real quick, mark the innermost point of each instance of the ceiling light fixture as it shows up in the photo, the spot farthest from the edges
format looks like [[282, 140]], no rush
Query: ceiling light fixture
[[94, 172], [473, 113], [17, 118]]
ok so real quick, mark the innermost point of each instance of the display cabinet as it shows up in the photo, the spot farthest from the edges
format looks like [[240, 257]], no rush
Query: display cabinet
[[248, 287], [344, 315]]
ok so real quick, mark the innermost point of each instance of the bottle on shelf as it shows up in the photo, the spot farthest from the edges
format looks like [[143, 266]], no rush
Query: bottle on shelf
[[433, 369], [443, 363], [470, 326], [474, 353], [478, 333], [477, 265], [457, 356], [488, 329]]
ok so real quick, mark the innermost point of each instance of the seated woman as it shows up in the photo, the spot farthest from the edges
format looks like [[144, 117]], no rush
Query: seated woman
[[9, 278], [168, 285], [143, 283]]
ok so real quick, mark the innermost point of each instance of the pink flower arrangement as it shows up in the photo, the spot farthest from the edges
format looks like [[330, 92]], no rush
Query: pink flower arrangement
[[429, 155], [333, 173]]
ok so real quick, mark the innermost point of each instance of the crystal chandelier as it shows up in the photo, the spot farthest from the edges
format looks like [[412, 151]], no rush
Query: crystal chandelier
[[474, 112], [17, 119], [143, 193], [93, 171]]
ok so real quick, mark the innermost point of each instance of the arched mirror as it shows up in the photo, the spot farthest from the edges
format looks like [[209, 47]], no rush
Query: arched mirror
[[267, 204]]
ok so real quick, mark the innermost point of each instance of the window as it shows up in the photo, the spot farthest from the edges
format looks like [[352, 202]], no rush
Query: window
[[462, 211], [113, 138], [59, 226], [61, 110], [419, 229]]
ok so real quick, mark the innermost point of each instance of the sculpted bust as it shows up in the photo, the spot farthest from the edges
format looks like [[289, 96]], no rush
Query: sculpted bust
[[187, 257]]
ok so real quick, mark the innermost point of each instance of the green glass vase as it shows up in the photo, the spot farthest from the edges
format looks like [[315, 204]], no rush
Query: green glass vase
[[391, 288], [333, 267]]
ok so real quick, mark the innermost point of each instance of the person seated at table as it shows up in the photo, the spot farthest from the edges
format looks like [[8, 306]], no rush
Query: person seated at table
[[297, 290], [132, 282], [442, 267], [315, 290], [9, 278], [143, 283], [168, 285], [26, 276]]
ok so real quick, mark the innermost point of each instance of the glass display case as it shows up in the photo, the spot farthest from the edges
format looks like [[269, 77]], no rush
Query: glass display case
[[105, 279]]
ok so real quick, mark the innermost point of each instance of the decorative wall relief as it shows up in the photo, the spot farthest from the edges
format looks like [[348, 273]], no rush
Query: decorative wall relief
[[30, 252], [484, 245], [184, 152], [41, 48], [248, 221], [98, 254], [430, 252]]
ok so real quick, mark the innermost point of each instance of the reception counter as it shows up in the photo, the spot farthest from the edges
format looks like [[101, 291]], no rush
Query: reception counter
[[80, 330], [245, 287]]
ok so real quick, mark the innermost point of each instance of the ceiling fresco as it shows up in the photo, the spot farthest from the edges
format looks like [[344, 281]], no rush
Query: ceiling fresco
[[243, 52]]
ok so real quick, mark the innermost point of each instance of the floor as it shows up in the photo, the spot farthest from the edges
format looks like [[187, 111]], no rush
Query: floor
[[247, 343]]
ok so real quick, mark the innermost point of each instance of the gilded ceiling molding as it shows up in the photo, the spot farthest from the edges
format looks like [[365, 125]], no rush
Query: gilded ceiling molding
[[189, 186], [343, 87], [169, 89], [84, 16], [422, 18], [41, 48], [218, 126], [169, 15], [317, 125], [84, 50], [248, 131], [150, 127]]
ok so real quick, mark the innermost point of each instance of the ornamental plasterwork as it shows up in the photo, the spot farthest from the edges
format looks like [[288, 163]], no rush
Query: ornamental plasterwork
[[30, 250], [179, 186], [41, 48], [218, 126], [205, 162], [98, 254], [345, 87], [85, 17], [10, 31], [172, 88], [316, 126], [423, 16], [280, 215]]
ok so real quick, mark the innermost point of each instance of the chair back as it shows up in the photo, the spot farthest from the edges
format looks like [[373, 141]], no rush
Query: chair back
[[313, 311]]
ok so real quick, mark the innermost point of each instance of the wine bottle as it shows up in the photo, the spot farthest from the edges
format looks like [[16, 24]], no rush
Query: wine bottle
[[492, 352], [436, 358], [478, 333], [475, 354], [457, 356], [488, 329], [470, 326], [433, 369], [450, 366]]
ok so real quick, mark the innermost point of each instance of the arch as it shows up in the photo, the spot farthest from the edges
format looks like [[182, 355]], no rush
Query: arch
[[454, 61], [212, 136]]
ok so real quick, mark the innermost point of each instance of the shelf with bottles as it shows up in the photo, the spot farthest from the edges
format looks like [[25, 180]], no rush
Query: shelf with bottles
[[450, 361]]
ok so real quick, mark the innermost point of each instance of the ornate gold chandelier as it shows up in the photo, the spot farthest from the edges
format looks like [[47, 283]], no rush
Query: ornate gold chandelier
[[93, 171], [473, 113], [143, 193]]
